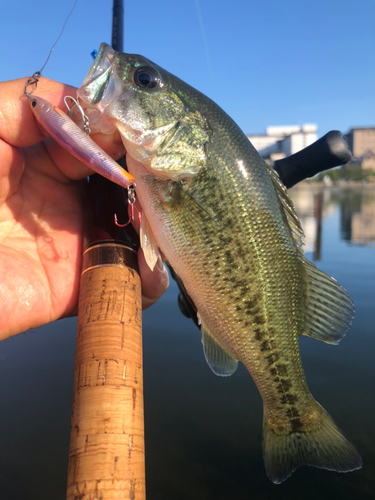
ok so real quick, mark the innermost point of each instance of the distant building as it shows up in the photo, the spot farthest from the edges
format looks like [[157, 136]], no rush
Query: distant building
[[361, 141], [282, 141]]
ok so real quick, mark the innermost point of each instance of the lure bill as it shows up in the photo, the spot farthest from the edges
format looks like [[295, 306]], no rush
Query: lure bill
[[69, 136]]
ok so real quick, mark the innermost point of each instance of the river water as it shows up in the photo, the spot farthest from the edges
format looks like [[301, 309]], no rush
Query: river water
[[203, 433]]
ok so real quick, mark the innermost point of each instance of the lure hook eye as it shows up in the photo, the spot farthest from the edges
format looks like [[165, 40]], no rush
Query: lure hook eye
[[33, 80]]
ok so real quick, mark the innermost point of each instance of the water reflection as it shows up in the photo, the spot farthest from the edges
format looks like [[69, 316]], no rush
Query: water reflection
[[356, 207], [203, 433]]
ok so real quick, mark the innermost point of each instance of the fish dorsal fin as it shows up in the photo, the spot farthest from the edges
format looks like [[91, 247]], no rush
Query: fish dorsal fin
[[148, 243], [287, 209], [329, 309], [220, 362]]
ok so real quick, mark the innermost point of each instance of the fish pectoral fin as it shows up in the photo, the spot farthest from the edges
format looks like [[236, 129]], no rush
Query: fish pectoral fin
[[182, 153], [329, 309], [218, 359], [148, 243]]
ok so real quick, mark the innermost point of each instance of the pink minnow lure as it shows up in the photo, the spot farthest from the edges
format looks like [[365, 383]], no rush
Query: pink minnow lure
[[66, 133]]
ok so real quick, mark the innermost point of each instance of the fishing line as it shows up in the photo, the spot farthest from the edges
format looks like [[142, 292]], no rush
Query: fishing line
[[33, 80], [203, 33], [58, 38]]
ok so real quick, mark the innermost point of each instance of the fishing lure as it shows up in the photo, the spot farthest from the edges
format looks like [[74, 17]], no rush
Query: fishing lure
[[71, 137], [76, 141]]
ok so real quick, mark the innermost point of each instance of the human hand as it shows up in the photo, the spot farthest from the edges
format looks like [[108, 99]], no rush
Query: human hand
[[41, 216]]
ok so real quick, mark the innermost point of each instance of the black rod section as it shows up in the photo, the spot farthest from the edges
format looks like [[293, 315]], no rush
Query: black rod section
[[327, 152], [118, 26]]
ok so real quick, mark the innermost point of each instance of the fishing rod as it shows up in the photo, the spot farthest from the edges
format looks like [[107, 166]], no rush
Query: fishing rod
[[106, 458], [329, 151]]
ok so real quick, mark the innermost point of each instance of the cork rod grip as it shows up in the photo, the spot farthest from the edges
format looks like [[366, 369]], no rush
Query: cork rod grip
[[106, 459]]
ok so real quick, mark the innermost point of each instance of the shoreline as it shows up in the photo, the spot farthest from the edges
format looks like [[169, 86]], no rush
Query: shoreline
[[336, 185]]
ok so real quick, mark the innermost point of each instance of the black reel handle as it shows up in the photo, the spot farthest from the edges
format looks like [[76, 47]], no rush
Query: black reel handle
[[329, 151]]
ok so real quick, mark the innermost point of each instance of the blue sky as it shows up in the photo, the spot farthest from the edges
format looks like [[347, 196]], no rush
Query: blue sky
[[265, 62]]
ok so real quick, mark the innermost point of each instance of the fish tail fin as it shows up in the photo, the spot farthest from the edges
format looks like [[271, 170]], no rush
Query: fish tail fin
[[325, 447]]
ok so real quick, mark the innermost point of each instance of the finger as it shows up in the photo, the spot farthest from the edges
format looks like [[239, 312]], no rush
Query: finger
[[154, 283], [18, 126], [11, 169], [73, 168], [111, 143]]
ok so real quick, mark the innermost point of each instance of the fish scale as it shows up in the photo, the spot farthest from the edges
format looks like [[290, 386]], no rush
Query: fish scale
[[225, 223], [232, 264]]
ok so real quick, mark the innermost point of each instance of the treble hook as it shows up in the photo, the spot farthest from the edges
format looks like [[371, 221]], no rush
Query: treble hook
[[84, 117], [132, 209], [131, 218]]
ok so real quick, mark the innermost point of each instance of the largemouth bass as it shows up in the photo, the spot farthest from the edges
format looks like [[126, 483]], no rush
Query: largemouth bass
[[225, 223]]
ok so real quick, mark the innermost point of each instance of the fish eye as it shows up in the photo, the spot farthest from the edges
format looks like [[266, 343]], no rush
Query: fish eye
[[146, 77], [33, 104]]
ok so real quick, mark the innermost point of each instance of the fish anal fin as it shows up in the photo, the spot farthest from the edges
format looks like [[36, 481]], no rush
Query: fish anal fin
[[329, 309], [218, 359]]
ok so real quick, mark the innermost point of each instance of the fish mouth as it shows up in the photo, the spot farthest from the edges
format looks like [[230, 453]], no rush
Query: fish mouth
[[102, 83], [101, 86]]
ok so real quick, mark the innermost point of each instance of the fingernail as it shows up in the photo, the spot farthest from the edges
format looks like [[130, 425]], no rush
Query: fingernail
[[160, 264]]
